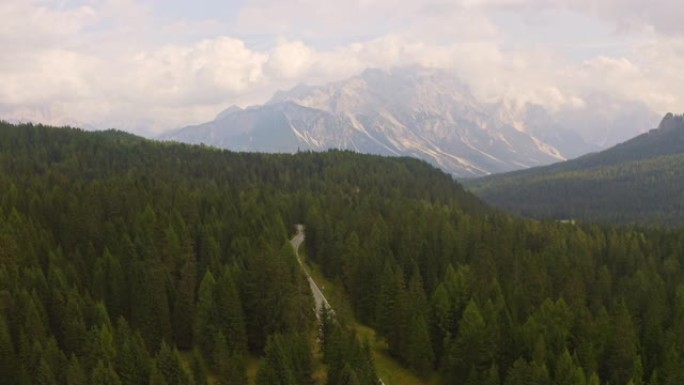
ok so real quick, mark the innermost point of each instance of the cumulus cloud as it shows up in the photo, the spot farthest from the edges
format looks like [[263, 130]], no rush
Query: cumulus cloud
[[290, 60], [114, 63], [195, 74]]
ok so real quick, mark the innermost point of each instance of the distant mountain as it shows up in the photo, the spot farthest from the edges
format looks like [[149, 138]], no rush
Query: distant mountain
[[409, 112], [641, 181]]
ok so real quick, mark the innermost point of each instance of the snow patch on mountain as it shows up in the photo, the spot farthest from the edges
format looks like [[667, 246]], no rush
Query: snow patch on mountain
[[427, 114]]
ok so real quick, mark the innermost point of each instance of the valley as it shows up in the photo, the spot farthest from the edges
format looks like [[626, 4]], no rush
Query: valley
[[635, 182]]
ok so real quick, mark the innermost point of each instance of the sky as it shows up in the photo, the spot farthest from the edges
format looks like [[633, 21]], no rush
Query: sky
[[148, 66]]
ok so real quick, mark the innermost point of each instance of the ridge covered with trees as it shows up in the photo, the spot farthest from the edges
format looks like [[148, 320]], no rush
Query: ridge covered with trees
[[639, 181], [125, 261]]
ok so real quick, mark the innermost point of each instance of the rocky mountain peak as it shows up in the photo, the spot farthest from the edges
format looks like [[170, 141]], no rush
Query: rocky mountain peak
[[424, 113], [672, 122]]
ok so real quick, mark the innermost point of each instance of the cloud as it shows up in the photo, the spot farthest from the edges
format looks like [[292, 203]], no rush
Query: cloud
[[196, 74], [311, 19], [115, 63], [290, 60], [322, 19], [28, 25], [97, 64], [347, 21], [51, 75], [663, 16]]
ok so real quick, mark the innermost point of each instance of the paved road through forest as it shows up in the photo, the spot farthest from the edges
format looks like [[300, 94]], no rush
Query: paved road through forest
[[319, 298]]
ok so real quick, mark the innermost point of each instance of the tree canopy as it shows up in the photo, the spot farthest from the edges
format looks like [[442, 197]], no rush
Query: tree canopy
[[118, 254]]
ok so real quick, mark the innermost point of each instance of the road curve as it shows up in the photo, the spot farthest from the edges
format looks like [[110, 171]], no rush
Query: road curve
[[319, 298]]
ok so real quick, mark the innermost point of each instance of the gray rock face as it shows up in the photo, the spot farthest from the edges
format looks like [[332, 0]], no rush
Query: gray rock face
[[408, 112]]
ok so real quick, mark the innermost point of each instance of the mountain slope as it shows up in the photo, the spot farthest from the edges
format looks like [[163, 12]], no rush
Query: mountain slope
[[641, 180], [425, 114]]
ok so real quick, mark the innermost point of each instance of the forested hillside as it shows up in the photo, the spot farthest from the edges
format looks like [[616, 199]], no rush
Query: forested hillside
[[496, 300], [124, 261], [639, 181], [116, 253]]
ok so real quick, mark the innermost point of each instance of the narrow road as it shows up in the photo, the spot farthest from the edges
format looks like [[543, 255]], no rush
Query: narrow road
[[319, 298]]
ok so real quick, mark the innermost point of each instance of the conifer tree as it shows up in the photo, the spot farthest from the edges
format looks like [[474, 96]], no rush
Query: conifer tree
[[184, 304], [156, 376], [198, 368], [564, 370], [45, 374], [230, 314], [7, 353], [73, 326], [277, 368], [169, 365], [75, 375], [233, 371], [132, 360], [104, 375], [468, 349], [419, 353], [206, 318], [623, 346]]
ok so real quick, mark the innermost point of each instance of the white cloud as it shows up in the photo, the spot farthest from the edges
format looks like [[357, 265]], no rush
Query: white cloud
[[290, 60], [627, 15], [663, 15], [51, 75], [204, 72], [28, 25], [114, 63]]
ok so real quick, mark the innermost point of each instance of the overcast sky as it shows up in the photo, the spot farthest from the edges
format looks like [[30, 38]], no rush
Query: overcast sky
[[152, 65]]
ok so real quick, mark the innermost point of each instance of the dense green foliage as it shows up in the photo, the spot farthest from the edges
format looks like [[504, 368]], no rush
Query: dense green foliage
[[349, 360], [116, 253], [639, 181], [490, 299]]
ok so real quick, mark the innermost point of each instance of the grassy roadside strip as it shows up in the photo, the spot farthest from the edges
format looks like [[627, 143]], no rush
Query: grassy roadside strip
[[391, 371]]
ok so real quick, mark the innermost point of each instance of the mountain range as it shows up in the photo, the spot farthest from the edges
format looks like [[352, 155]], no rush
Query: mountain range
[[427, 114], [638, 181]]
